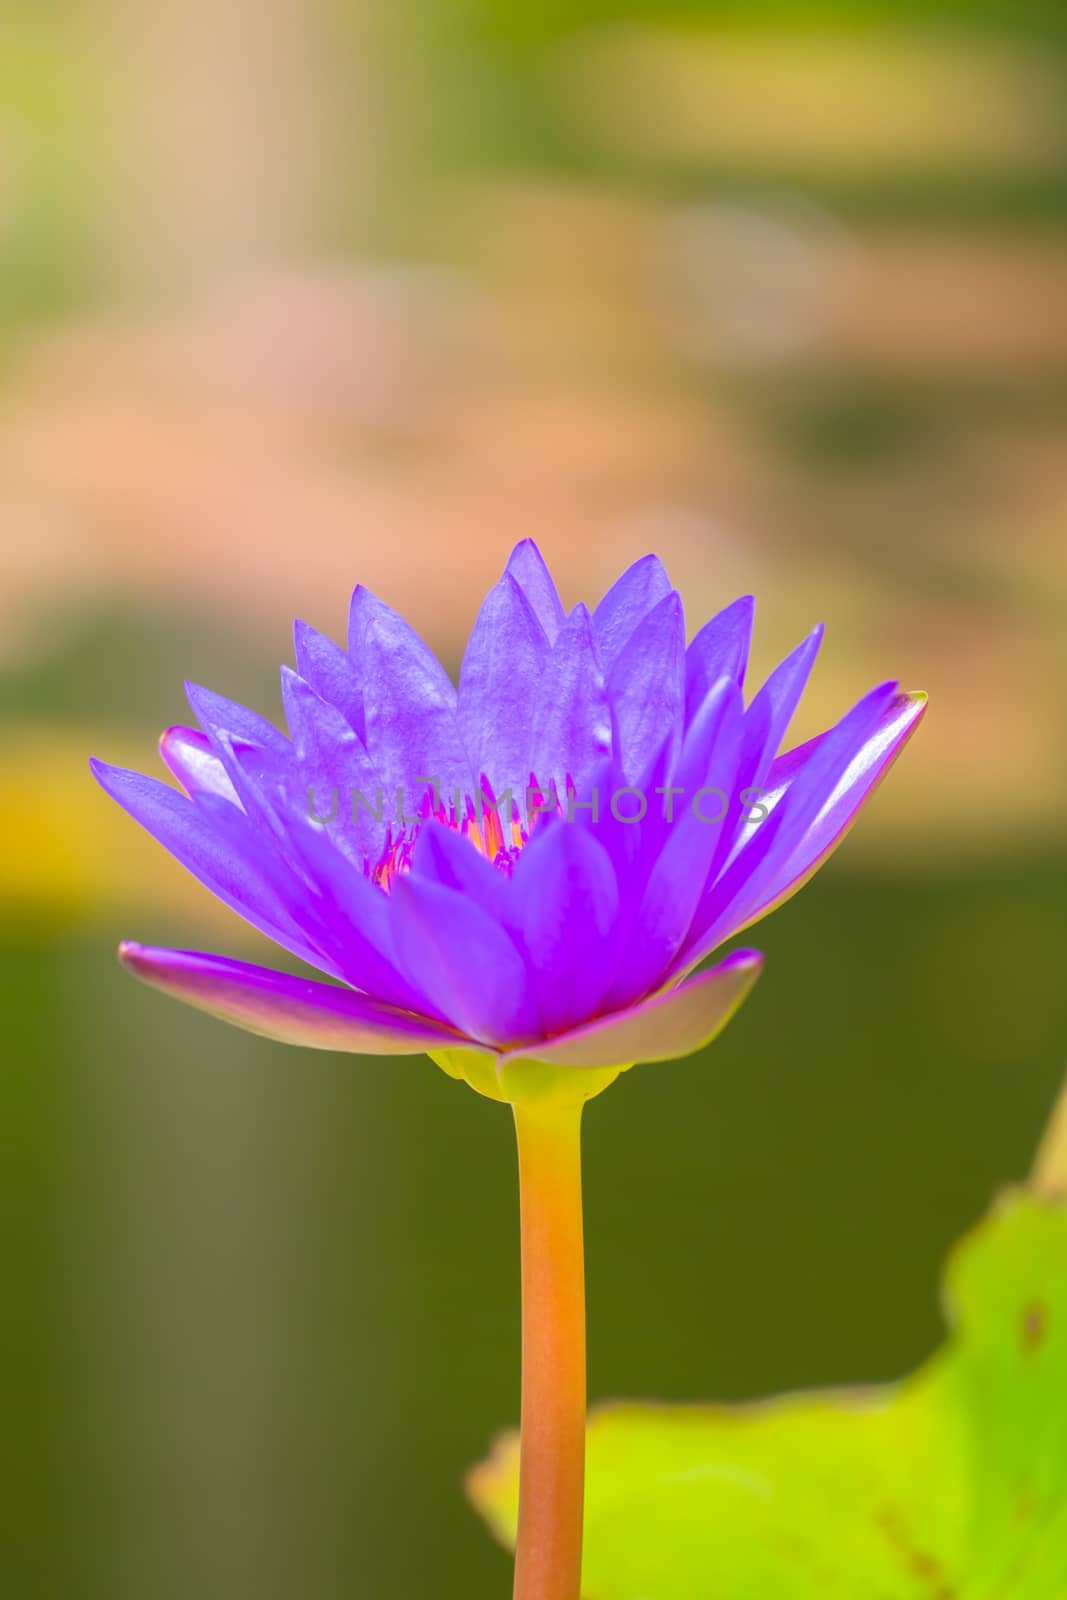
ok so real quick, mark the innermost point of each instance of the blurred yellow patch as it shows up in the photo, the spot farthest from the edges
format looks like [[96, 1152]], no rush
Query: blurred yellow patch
[[826, 100], [68, 853]]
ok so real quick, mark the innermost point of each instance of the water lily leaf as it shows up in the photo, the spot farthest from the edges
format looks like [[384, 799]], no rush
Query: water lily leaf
[[951, 1485]]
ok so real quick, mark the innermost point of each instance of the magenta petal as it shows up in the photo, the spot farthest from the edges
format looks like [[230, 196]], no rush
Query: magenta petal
[[527, 566], [571, 731], [860, 777], [675, 883], [217, 844], [783, 690], [669, 1025], [334, 776], [409, 702], [627, 604], [215, 713], [505, 655], [191, 757], [292, 1010], [719, 650], [351, 916], [253, 754], [331, 673], [462, 961], [646, 688], [450, 859], [782, 852], [766, 722], [565, 903]]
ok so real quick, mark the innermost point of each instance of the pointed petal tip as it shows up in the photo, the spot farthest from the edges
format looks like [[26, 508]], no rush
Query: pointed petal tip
[[287, 1008], [140, 960], [108, 775], [526, 559], [744, 961], [528, 544], [179, 733], [361, 597], [532, 573], [908, 705], [809, 645], [199, 698], [649, 559], [745, 605], [913, 704], [895, 721]]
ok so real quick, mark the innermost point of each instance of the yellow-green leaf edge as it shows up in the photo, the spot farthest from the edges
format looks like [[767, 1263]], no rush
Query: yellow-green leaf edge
[[951, 1485]]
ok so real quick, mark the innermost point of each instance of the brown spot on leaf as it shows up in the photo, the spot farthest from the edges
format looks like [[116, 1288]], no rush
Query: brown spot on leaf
[[923, 1566], [1035, 1326]]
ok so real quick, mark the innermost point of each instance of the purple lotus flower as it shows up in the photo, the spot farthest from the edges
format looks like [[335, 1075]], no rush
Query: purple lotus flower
[[527, 869]]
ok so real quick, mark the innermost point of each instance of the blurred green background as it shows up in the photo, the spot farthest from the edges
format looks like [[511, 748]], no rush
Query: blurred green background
[[297, 295]]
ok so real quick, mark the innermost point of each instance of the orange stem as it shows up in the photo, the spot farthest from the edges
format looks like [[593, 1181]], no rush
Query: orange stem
[[548, 1552]]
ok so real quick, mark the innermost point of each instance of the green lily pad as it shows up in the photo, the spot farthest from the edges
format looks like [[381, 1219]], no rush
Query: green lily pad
[[951, 1485]]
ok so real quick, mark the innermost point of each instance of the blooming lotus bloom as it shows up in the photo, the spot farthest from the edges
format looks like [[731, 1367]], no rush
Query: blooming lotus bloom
[[519, 877], [529, 868]]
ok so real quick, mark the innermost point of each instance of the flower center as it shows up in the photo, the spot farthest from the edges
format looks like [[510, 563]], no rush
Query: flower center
[[499, 839]]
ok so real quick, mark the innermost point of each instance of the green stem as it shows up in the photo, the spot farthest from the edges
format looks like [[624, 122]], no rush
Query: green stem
[[548, 1554]]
